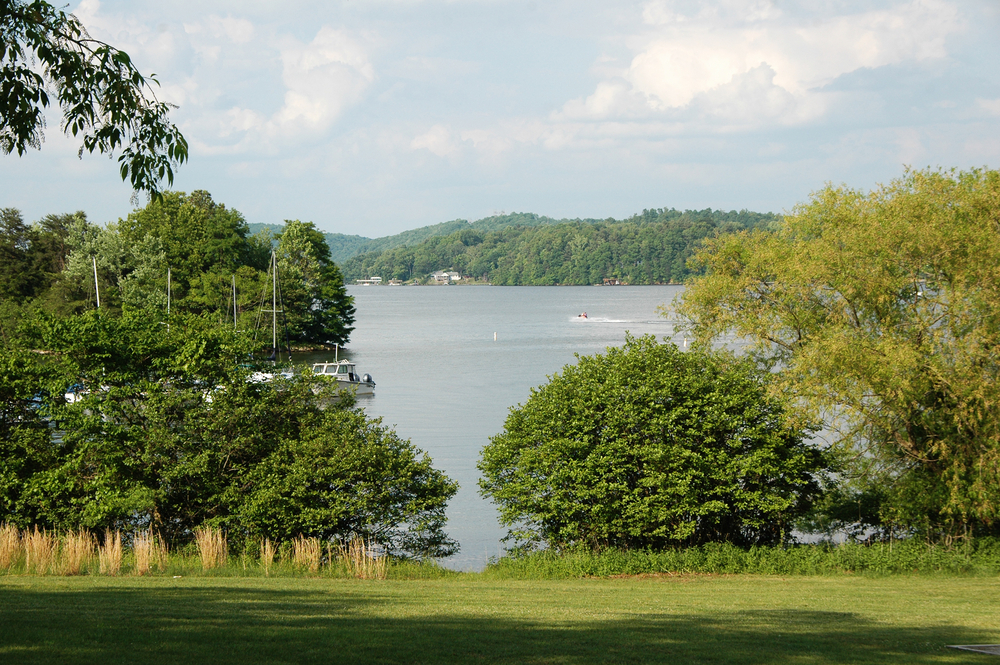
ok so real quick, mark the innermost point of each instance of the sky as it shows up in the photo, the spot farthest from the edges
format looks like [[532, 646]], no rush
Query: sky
[[371, 117]]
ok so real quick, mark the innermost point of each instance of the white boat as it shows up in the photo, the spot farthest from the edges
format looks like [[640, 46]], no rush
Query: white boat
[[268, 377], [346, 376]]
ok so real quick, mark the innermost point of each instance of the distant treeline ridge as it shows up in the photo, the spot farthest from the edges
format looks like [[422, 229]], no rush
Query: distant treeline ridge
[[523, 249]]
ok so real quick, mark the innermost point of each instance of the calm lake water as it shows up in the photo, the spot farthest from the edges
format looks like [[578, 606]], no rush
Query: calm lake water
[[445, 384]]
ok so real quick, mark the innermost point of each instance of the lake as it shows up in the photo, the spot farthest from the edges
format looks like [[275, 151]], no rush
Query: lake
[[445, 384]]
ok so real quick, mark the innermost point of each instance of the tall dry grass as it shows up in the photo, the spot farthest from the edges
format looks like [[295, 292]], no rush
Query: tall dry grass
[[40, 548], [10, 546], [306, 553], [212, 547], [77, 551], [148, 551], [267, 552], [109, 554], [362, 560]]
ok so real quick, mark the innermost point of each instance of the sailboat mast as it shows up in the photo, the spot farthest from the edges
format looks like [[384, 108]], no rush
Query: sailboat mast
[[97, 287], [168, 292], [274, 303], [234, 301]]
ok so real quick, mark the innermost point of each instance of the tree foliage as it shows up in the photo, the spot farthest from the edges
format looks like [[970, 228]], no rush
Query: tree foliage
[[207, 249], [651, 248], [169, 432], [881, 312], [104, 98], [314, 295], [649, 446], [32, 256]]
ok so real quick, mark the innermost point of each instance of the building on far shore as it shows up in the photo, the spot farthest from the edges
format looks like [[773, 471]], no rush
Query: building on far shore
[[445, 277]]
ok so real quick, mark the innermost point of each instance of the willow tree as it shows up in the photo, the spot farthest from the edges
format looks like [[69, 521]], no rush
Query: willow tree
[[880, 311]]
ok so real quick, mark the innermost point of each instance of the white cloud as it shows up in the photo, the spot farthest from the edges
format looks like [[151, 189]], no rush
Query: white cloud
[[238, 30], [574, 108], [991, 106], [322, 78], [773, 61], [438, 140], [319, 78]]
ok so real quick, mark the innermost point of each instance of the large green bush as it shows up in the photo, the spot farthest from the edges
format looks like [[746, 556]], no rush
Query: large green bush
[[649, 446]]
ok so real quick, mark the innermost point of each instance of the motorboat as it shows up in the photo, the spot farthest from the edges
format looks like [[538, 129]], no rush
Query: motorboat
[[346, 376]]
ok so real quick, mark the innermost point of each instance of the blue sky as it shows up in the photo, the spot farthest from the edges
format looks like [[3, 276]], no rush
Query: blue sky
[[375, 116]]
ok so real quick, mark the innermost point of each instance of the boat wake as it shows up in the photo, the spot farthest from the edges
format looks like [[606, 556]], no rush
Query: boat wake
[[599, 319]]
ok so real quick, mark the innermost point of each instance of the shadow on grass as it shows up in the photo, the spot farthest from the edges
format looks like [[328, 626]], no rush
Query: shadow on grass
[[240, 625]]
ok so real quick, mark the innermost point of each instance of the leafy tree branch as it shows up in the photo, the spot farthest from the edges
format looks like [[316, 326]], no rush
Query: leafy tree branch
[[105, 99]]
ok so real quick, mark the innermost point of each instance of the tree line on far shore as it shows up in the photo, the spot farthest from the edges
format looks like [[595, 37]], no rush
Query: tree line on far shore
[[649, 248]]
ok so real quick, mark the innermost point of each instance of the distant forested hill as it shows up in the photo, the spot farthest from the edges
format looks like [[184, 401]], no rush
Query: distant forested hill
[[343, 247], [523, 248], [494, 223], [649, 248]]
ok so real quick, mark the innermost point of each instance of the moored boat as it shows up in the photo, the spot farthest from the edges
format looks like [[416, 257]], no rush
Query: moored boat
[[346, 376]]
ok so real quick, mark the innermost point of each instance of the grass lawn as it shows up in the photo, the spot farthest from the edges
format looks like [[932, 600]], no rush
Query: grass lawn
[[469, 618]]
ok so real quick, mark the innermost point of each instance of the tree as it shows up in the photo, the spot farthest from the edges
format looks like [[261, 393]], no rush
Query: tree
[[348, 474], [317, 305], [880, 312], [649, 446], [103, 97], [204, 244], [17, 277], [31, 257], [169, 432], [198, 236]]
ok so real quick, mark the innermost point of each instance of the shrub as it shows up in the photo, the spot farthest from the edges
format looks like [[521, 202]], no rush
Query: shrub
[[648, 446]]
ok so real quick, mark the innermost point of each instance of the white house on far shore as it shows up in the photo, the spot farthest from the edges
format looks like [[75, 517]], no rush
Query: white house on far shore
[[445, 277]]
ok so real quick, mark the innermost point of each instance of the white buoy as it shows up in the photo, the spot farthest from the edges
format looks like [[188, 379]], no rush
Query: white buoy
[[494, 337]]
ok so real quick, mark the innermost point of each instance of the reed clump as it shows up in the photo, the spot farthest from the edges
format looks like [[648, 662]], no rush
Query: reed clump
[[10, 546], [362, 561], [267, 552], [109, 553], [212, 547], [40, 548], [77, 551], [306, 553], [147, 552]]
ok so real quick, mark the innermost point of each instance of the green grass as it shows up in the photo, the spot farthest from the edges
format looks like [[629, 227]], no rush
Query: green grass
[[472, 618], [979, 557]]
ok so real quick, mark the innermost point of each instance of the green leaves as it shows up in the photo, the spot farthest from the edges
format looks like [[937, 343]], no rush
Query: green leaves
[[317, 306], [347, 474], [168, 431], [103, 97], [651, 248], [882, 312], [647, 446]]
